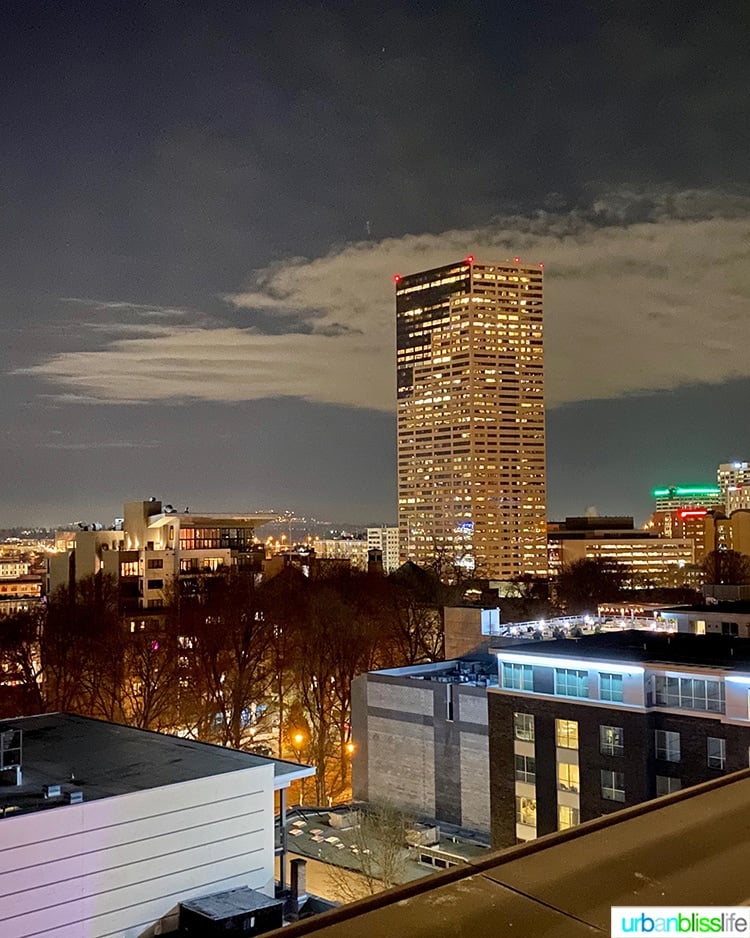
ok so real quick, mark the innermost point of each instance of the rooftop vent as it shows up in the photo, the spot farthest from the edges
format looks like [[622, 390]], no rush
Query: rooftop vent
[[11, 745]]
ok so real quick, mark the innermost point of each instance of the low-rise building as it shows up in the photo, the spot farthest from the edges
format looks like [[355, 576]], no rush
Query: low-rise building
[[651, 560], [107, 828]]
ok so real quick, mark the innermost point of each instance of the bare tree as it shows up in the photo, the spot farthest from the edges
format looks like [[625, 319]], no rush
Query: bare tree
[[227, 641], [380, 852]]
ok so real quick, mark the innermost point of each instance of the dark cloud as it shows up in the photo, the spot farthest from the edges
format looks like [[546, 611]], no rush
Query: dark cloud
[[159, 157]]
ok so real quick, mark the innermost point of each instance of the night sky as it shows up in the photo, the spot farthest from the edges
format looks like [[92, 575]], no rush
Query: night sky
[[202, 205]]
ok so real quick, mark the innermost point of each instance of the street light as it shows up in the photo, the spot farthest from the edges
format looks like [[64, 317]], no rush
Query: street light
[[350, 748], [298, 741]]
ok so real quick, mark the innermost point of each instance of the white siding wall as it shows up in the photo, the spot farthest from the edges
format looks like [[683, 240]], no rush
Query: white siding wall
[[117, 865]]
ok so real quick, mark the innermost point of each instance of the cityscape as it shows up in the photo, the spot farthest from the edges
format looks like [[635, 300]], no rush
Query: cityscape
[[375, 530]]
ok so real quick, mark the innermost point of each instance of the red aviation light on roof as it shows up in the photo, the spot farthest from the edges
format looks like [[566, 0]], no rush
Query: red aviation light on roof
[[692, 513], [469, 259], [516, 260], [541, 267], [397, 278]]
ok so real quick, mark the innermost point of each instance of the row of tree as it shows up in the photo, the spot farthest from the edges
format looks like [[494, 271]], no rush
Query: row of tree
[[231, 662]]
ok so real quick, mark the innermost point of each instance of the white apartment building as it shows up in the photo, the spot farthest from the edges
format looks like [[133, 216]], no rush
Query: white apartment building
[[386, 540], [154, 545], [106, 828]]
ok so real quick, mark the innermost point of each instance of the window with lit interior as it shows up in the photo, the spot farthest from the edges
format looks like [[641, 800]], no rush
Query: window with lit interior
[[566, 733], [567, 817]]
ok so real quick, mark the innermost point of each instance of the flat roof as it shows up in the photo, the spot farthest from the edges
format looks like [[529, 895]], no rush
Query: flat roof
[[725, 651], [684, 849], [199, 518], [107, 759], [740, 607]]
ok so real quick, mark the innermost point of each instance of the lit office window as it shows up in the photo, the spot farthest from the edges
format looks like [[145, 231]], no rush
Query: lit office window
[[566, 733], [526, 811], [568, 778], [567, 817]]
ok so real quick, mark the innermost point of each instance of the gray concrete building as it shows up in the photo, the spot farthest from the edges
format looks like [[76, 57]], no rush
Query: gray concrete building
[[421, 736]]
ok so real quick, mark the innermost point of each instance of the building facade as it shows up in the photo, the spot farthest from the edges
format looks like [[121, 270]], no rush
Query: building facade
[[386, 540], [580, 729], [153, 548], [471, 425], [421, 736], [673, 497], [650, 559], [107, 828], [734, 482]]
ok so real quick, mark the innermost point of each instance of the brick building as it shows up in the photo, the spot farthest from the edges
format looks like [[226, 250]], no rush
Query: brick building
[[578, 729]]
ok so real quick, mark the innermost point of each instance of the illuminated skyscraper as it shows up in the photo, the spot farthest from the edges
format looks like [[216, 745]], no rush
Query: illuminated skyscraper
[[471, 449], [734, 482]]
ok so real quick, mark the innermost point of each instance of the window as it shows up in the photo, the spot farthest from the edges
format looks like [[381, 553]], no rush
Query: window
[[613, 785], [526, 811], [129, 568], [687, 693], [523, 727], [568, 778], [566, 732], [155, 564], [717, 752], [610, 687], [570, 683], [666, 784], [525, 769], [611, 740], [155, 584], [518, 676], [567, 817], [667, 745]]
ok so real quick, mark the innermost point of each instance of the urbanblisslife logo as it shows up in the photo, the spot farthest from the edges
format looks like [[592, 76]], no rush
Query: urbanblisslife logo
[[687, 922]]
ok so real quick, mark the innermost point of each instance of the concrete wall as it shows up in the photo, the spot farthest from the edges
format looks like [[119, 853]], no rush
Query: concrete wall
[[422, 745], [114, 867]]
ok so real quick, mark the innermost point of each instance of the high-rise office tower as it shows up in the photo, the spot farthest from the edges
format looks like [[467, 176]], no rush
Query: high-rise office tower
[[734, 482], [471, 449]]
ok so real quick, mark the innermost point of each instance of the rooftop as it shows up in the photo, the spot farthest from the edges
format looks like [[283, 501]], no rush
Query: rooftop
[[741, 607], [682, 849], [106, 759], [723, 651]]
